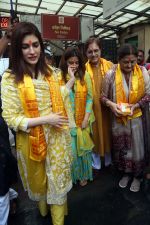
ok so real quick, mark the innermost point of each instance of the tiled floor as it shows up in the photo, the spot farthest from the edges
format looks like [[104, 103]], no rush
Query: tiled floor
[[101, 202]]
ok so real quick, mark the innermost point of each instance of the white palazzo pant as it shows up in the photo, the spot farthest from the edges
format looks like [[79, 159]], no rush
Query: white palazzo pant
[[5, 205]]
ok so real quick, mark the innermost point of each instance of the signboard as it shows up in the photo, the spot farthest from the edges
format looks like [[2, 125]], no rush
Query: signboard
[[4, 22], [56, 27], [113, 6]]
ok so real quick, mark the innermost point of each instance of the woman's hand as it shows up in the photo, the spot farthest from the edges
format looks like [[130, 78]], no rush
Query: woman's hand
[[57, 120], [85, 120], [70, 83], [71, 71], [114, 108], [84, 124], [133, 107]]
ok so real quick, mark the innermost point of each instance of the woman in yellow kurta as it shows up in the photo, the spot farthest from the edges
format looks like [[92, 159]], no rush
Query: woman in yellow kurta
[[97, 68], [39, 111]]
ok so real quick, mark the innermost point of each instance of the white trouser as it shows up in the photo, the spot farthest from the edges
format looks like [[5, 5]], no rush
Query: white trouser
[[96, 160], [4, 209], [5, 205], [12, 194]]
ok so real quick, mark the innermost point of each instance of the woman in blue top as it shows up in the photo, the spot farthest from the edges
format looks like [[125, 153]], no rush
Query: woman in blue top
[[81, 97]]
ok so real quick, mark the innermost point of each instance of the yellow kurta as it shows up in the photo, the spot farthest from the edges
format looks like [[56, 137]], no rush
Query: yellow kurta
[[101, 126], [49, 179]]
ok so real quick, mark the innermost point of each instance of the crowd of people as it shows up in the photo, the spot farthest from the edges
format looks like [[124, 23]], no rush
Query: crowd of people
[[68, 120]]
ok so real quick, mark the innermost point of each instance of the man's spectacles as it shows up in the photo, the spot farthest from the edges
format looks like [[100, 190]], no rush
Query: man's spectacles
[[95, 51]]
